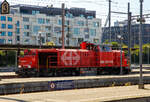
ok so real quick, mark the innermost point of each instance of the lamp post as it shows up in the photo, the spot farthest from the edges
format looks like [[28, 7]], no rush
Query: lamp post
[[121, 38], [0, 34], [40, 40], [141, 84]]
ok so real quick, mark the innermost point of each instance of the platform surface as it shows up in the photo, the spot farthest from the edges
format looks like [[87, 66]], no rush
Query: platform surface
[[81, 95], [7, 73]]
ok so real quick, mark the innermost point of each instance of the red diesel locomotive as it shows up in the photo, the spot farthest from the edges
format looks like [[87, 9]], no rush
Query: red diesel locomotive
[[56, 62]]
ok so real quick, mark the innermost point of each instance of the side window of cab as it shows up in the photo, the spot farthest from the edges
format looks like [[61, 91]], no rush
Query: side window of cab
[[105, 48]]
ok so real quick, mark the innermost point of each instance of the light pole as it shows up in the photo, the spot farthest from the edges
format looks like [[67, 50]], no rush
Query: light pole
[[68, 34], [141, 84], [0, 34], [109, 20], [63, 24], [40, 36], [121, 38]]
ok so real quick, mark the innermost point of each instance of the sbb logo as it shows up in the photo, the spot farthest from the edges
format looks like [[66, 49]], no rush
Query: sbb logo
[[70, 58]]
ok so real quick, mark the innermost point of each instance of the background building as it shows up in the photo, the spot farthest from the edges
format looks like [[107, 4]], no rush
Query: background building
[[123, 23], [32, 24], [10, 29], [123, 31]]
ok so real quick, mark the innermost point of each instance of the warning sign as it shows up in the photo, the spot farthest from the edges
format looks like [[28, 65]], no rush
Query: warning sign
[[52, 85], [61, 85]]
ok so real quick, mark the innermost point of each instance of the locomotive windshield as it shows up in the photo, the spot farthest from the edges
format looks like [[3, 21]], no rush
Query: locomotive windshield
[[105, 48], [28, 52]]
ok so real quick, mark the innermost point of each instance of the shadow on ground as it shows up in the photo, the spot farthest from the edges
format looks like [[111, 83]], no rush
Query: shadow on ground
[[11, 99]]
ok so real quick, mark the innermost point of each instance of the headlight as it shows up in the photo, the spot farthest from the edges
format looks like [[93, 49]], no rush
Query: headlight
[[29, 66], [19, 66]]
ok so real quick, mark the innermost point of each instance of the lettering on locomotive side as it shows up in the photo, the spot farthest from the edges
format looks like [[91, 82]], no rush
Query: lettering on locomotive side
[[70, 58], [102, 62]]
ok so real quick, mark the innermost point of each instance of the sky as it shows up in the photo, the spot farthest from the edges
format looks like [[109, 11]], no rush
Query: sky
[[100, 6]]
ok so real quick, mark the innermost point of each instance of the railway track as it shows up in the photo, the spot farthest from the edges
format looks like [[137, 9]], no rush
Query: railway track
[[12, 75], [9, 77]]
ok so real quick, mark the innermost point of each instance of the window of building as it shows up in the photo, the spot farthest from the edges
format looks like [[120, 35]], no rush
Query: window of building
[[26, 34], [26, 26], [66, 29], [81, 15], [80, 23], [43, 40], [96, 24], [2, 41], [9, 19], [10, 26], [48, 34], [76, 31], [25, 19], [18, 23], [10, 33], [69, 15], [86, 30], [36, 29], [3, 26], [60, 40], [57, 30], [48, 28], [87, 36], [3, 18], [9, 41], [60, 22], [35, 12], [48, 21], [93, 32], [41, 21], [90, 17], [67, 22], [18, 38], [18, 31], [3, 34], [26, 40]]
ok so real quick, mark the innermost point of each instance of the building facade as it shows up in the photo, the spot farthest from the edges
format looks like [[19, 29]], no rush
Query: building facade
[[34, 24], [123, 31], [9, 29]]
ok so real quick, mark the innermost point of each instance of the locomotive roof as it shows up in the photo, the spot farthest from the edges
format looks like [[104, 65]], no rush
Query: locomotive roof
[[73, 50], [55, 50]]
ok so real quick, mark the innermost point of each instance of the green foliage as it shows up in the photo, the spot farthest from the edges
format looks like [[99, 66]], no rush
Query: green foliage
[[115, 44], [146, 47], [145, 52], [124, 46], [21, 53], [106, 42], [2, 53], [7, 58]]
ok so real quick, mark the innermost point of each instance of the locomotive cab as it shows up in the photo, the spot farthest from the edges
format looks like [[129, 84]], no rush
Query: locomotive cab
[[26, 62], [28, 59], [89, 46]]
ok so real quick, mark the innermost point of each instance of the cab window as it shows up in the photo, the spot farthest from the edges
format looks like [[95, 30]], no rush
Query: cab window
[[28, 52], [105, 48]]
